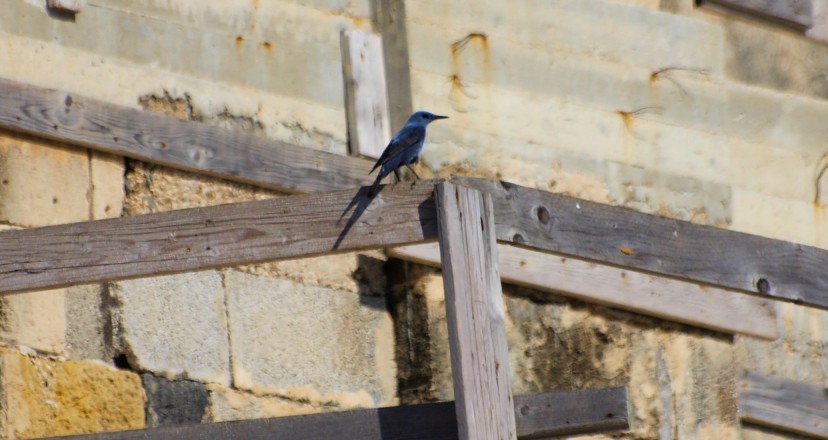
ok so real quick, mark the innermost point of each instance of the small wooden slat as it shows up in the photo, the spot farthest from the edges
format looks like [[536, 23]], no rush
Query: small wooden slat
[[224, 235], [366, 96], [623, 237], [674, 300], [474, 314], [175, 143], [538, 416], [783, 404], [796, 13]]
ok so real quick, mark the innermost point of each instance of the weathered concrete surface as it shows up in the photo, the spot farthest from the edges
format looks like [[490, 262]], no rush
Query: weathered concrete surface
[[42, 397], [325, 346], [174, 326]]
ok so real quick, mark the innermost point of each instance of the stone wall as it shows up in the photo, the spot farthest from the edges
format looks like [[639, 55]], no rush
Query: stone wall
[[653, 105]]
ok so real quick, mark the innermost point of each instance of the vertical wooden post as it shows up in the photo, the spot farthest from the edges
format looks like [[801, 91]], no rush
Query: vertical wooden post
[[366, 97], [474, 311]]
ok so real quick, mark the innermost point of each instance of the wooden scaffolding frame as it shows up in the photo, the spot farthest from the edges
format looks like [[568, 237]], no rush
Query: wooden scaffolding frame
[[487, 231]]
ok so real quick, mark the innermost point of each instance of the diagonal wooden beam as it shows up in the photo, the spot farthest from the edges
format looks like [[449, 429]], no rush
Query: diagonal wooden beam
[[176, 143], [622, 237], [573, 413], [529, 218], [215, 236]]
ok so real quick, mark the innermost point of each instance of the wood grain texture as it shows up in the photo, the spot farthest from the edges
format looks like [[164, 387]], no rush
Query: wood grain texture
[[623, 237], [674, 300], [474, 314], [165, 140], [224, 235], [796, 13], [783, 404], [538, 416], [366, 95]]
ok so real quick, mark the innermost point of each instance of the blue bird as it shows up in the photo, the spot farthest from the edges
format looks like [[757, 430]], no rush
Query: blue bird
[[404, 148]]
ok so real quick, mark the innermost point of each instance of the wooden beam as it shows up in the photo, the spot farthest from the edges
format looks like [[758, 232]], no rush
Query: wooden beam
[[474, 314], [176, 143], [674, 248], [224, 235], [529, 218], [795, 13], [573, 413], [783, 404], [666, 298], [366, 96]]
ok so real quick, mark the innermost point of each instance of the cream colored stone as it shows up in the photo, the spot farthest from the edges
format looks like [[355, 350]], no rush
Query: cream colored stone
[[780, 218], [34, 319], [229, 404], [107, 181], [42, 182]]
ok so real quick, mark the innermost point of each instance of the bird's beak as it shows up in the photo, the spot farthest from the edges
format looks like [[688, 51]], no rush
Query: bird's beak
[[436, 117]]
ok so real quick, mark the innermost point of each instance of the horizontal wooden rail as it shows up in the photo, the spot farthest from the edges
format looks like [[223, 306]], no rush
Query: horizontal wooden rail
[[176, 143], [537, 415], [783, 404]]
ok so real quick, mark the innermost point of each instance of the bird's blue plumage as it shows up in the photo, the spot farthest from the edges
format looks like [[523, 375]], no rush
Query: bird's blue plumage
[[405, 147]]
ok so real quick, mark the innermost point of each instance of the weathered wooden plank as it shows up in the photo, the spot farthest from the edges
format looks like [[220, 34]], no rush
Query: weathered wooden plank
[[202, 238], [623, 237], [666, 298], [474, 314], [565, 226], [176, 143], [796, 13], [783, 404], [573, 412], [366, 95], [390, 20]]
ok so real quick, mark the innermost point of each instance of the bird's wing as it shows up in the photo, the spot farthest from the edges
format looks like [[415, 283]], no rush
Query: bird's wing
[[404, 139]]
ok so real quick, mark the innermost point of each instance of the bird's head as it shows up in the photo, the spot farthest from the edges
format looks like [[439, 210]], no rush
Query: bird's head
[[424, 118]]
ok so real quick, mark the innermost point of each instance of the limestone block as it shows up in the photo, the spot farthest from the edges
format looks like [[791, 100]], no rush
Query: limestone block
[[106, 174], [227, 404], [618, 32], [47, 398], [88, 325], [174, 326], [780, 218], [42, 182], [173, 402], [310, 343], [291, 49], [34, 319]]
